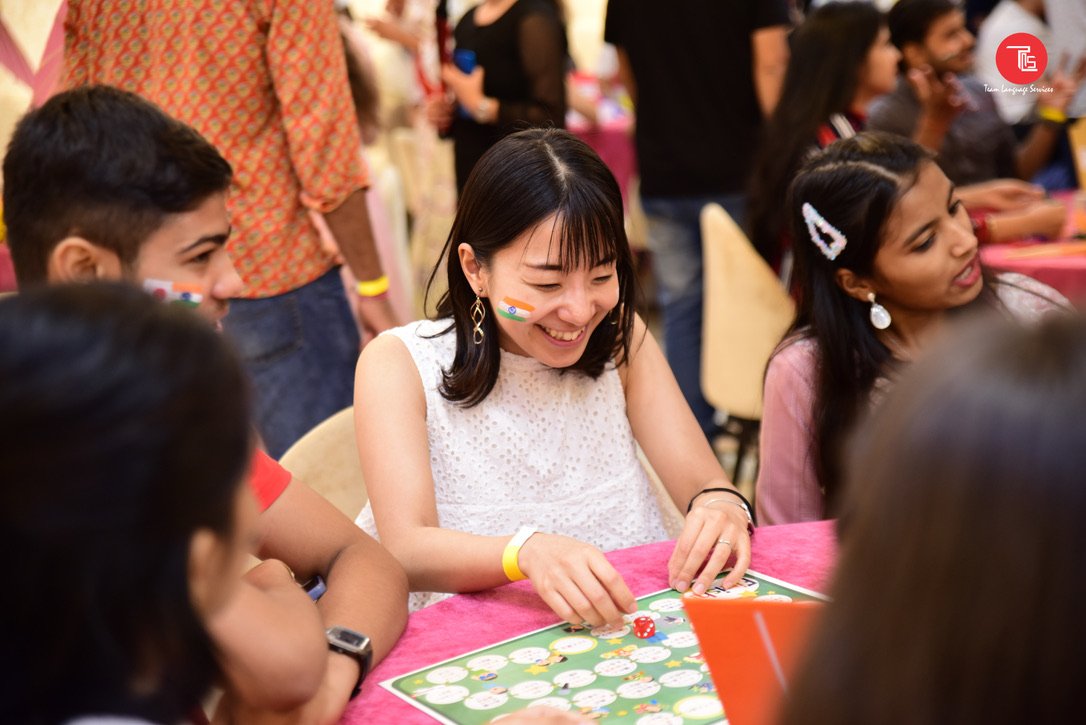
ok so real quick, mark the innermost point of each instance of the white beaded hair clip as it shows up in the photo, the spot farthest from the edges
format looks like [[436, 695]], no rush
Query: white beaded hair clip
[[816, 223]]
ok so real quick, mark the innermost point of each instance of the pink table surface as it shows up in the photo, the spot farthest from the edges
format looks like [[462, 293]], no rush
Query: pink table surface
[[800, 554], [1065, 273], [7, 272], [613, 141]]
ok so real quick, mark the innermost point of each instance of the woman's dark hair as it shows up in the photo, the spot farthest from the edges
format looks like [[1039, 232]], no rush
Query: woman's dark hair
[[959, 588], [124, 429], [521, 181], [855, 185], [828, 52]]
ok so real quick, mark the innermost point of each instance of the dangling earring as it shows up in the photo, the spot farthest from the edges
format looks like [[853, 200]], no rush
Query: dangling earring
[[478, 314], [880, 318]]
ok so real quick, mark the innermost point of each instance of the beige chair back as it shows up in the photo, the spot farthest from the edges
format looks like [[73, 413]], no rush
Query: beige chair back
[[1076, 133], [326, 459], [746, 311]]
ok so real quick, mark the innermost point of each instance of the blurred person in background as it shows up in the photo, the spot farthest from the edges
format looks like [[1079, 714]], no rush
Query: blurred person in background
[[703, 76], [508, 73]]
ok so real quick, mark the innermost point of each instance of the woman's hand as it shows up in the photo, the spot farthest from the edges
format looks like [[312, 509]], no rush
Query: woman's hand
[[1000, 194], [439, 111], [467, 87], [941, 98], [1063, 84], [575, 580], [715, 529], [1046, 218]]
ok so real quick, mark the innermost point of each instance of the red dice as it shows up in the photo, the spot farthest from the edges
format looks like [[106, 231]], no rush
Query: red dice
[[644, 627]]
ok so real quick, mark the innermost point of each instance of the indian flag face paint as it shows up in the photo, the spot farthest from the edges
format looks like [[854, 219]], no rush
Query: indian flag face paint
[[178, 293], [514, 309]]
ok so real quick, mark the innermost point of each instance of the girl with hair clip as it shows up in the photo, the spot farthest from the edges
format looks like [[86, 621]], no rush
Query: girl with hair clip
[[885, 253], [124, 444], [499, 441], [959, 588]]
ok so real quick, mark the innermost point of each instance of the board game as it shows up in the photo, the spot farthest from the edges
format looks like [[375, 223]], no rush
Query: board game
[[648, 673]]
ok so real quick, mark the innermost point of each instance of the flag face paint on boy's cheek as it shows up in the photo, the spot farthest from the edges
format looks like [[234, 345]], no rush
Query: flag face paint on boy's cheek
[[179, 293], [514, 309]]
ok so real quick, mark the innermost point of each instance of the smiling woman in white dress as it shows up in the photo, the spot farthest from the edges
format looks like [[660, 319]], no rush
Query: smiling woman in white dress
[[519, 408]]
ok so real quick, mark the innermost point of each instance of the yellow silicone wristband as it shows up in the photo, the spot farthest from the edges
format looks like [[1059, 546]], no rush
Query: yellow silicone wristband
[[510, 563], [1054, 115], [374, 287]]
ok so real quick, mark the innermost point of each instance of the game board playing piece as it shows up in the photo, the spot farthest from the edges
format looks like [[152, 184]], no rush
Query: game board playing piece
[[644, 627]]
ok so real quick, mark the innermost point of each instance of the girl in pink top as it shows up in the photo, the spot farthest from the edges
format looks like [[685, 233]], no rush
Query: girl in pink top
[[885, 253]]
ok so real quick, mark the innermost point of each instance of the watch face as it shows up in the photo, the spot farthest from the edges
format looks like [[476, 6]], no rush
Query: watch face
[[348, 638], [354, 639]]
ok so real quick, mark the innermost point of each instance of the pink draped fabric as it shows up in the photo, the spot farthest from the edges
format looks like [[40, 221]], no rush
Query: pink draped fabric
[[800, 554], [7, 272], [44, 80]]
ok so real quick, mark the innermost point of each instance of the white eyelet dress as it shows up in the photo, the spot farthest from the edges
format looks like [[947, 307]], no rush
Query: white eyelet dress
[[544, 449]]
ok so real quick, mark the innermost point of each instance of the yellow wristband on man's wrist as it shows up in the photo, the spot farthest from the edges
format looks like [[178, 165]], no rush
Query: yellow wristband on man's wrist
[[373, 287], [1053, 115], [510, 554]]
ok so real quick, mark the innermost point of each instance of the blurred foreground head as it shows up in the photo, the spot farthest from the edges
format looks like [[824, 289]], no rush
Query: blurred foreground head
[[958, 595], [124, 436]]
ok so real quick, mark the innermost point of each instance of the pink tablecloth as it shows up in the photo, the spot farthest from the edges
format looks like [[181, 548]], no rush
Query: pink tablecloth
[[7, 272], [801, 554], [613, 141], [1066, 273]]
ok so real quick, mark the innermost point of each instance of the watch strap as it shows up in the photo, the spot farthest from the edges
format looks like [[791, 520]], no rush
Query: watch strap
[[364, 658]]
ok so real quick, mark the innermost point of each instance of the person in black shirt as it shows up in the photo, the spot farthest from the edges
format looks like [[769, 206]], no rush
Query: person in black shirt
[[518, 80], [703, 75]]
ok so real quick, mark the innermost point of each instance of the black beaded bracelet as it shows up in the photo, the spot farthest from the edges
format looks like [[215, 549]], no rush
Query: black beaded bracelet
[[732, 491]]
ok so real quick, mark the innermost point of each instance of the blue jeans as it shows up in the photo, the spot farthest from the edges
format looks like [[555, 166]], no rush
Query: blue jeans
[[674, 230], [300, 350]]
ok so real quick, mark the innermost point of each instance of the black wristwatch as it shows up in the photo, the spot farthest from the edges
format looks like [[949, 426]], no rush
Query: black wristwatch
[[353, 644]]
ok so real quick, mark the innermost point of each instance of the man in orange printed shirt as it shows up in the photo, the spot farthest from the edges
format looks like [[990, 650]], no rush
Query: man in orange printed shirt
[[265, 82]]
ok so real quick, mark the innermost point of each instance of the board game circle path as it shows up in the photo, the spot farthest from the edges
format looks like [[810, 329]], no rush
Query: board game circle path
[[800, 554]]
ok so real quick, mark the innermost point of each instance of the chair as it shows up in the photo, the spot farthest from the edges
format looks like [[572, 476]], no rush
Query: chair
[[1076, 133], [326, 459], [673, 518], [745, 313]]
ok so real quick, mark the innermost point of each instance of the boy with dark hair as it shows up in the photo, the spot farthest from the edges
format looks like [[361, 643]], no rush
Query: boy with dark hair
[[101, 184], [101, 164]]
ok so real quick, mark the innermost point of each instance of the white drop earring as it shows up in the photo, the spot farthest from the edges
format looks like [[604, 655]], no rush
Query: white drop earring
[[880, 317]]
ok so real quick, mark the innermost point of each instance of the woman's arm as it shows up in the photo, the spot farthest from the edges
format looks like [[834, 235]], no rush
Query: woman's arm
[[573, 578], [268, 666], [543, 57], [673, 442], [787, 490]]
